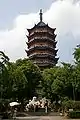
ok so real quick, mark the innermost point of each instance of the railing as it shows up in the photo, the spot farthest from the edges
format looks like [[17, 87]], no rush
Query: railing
[[41, 31], [42, 62], [41, 54], [40, 38], [41, 47], [45, 63]]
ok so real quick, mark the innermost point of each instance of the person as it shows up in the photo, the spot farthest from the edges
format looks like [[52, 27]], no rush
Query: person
[[14, 114], [46, 106]]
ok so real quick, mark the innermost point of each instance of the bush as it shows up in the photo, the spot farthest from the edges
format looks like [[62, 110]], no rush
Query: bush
[[74, 114], [70, 104]]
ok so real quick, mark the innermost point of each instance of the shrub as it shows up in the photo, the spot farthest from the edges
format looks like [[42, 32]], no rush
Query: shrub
[[70, 104], [74, 114]]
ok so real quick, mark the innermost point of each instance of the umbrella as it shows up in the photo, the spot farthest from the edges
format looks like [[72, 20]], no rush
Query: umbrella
[[14, 103]]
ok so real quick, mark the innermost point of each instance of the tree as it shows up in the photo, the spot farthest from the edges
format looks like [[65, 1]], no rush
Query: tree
[[4, 60], [62, 85], [3, 72], [32, 74], [49, 75], [76, 75], [77, 55], [58, 82], [17, 83]]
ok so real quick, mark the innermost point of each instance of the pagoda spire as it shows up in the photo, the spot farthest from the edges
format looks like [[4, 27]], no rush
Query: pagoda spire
[[41, 15]]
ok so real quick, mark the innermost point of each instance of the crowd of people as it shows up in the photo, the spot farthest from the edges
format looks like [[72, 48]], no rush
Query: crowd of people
[[35, 104]]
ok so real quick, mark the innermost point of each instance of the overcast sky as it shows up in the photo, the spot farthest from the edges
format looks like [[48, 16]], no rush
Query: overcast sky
[[17, 15]]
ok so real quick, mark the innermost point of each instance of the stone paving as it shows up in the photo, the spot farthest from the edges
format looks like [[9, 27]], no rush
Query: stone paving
[[43, 118]]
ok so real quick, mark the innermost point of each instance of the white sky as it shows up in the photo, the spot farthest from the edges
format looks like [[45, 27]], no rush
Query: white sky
[[62, 14]]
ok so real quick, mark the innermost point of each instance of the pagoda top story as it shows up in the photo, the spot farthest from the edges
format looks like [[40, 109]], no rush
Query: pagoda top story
[[41, 23]]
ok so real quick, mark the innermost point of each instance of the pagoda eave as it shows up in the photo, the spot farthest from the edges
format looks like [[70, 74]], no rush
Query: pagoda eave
[[42, 40], [42, 48], [56, 60], [41, 56]]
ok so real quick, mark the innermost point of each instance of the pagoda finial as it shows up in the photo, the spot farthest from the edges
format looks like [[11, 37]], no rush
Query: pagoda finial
[[40, 15]]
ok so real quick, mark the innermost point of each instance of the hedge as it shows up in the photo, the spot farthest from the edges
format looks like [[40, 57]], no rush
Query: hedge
[[70, 104], [74, 114]]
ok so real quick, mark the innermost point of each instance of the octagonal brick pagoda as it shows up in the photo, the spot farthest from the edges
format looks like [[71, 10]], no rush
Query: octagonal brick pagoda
[[42, 45]]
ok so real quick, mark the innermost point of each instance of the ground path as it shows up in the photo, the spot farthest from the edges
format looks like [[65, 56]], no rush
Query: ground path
[[43, 118]]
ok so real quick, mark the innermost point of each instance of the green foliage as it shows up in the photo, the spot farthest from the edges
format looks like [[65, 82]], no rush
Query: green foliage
[[17, 83], [23, 80], [74, 114], [70, 104], [58, 82], [77, 55], [4, 60], [3, 74], [19, 80], [62, 81], [62, 85], [49, 75], [32, 74]]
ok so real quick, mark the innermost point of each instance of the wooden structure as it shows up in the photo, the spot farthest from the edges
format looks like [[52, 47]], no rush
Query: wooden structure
[[41, 45]]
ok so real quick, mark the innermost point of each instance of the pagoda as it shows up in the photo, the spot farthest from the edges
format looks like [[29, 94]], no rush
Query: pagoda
[[42, 45]]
